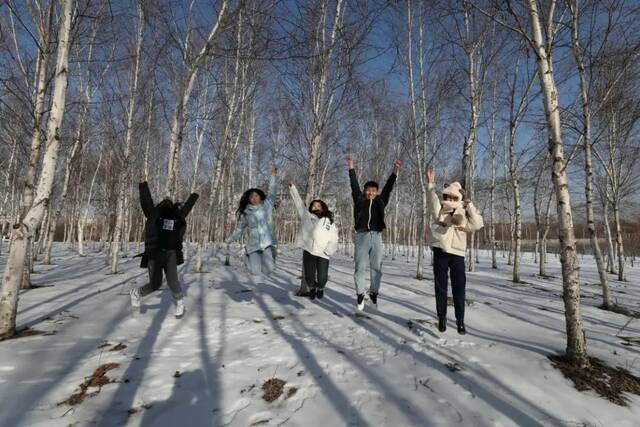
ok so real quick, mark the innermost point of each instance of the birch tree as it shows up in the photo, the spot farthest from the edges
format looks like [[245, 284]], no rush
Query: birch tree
[[22, 231], [185, 86], [124, 179], [517, 108], [587, 146], [539, 35], [45, 29]]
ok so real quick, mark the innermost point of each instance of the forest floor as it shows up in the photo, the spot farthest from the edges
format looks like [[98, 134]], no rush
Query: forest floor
[[245, 355]]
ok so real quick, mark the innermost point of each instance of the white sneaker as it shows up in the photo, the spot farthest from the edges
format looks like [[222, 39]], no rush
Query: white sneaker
[[180, 308], [135, 297]]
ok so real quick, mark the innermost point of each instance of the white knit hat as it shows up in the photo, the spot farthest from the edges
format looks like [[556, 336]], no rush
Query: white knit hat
[[453, 190]]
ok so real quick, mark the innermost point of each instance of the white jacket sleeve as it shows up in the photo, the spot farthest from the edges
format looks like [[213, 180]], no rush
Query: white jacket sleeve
[[474, 219], [297, 201], [433, 203]]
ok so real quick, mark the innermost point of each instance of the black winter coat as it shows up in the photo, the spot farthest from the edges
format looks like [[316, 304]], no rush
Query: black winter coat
[[164, 228], [369, 214]]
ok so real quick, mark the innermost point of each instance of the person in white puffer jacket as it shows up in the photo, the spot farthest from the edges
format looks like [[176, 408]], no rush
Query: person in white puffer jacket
[[318, 236], [449, 222]]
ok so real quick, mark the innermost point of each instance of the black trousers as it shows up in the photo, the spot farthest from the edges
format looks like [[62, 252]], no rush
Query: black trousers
[[167, 261], [443, 264], [316, 270]]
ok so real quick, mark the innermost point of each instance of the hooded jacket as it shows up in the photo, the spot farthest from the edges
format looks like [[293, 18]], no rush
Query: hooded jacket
[[258, 220], [164, 227], [318, 236], [368, 215], [443, 217]]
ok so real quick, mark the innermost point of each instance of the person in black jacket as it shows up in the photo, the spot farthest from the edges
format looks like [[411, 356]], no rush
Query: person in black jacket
[[369, 206], [164, 230]]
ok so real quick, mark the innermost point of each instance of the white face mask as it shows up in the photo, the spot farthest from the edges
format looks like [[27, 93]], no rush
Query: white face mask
[[451, 205]]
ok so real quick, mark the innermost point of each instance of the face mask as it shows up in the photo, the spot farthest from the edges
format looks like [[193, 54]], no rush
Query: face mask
[[450, 205]]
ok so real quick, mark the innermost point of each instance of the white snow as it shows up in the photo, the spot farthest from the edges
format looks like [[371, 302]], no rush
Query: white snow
[[348, 370]]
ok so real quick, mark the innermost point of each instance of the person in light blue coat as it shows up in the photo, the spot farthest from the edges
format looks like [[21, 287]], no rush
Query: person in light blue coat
[[255, 215]]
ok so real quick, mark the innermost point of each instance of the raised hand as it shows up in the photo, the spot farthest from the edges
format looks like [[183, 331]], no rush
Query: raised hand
[[430, 175], [396, 165], [465, 199], [350, 161], [142, 179]]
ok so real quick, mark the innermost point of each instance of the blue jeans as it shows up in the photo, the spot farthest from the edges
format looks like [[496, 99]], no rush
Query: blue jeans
[[262, 261], [369, 251]]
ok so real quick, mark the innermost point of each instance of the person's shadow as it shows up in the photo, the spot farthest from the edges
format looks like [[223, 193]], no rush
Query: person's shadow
[[190, 404]]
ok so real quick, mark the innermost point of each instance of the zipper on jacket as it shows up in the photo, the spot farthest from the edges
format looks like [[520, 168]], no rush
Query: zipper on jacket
[[369, 221]]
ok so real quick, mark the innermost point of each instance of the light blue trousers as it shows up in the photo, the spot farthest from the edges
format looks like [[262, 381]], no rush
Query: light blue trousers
[[262, 261], [368, 252]]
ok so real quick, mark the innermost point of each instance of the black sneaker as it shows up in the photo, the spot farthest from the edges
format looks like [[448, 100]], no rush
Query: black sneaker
[[442, 324], [373, 296], [300, 293], [320, 293], [312, 293], [461, 329], [360, 302]]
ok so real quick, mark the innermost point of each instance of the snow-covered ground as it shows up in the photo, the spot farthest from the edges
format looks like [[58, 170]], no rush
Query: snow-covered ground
[[389, 367]]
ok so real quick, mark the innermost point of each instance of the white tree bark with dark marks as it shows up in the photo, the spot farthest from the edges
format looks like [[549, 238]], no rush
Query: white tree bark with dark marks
[[24, 230], [125, 175], [576, 341]]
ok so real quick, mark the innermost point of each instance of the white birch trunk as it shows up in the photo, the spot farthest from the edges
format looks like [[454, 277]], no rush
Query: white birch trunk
[[186, 86], [588, 167], [322, 103], [124, 178], [16, 260], [611, 265], [83, 217], [619, 245], [576, 341]]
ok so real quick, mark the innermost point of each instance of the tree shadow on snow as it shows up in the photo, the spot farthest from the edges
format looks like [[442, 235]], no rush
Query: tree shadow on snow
[[114, 413], [196, 396], [377, 328], [336, 397]]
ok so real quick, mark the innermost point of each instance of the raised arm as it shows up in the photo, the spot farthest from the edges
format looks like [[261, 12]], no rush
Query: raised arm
[[188, 205], [433, 203], [356, 193], [146, 201], [297, 202], [235, 235], [274, 186], [388, 187]]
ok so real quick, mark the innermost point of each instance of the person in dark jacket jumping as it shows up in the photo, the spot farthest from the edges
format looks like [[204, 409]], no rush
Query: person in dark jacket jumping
[[369, 206], [164, 230]]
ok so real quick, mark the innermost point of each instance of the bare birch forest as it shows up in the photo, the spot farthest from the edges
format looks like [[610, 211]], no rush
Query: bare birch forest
[[533, 105]]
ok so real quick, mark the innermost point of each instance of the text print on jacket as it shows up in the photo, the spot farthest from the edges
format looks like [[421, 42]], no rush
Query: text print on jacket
[[258, 220], [164, 228], [318, 236]]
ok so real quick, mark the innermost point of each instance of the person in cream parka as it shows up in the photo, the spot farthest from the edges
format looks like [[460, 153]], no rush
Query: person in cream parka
[[449, 222], [318, 236]]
